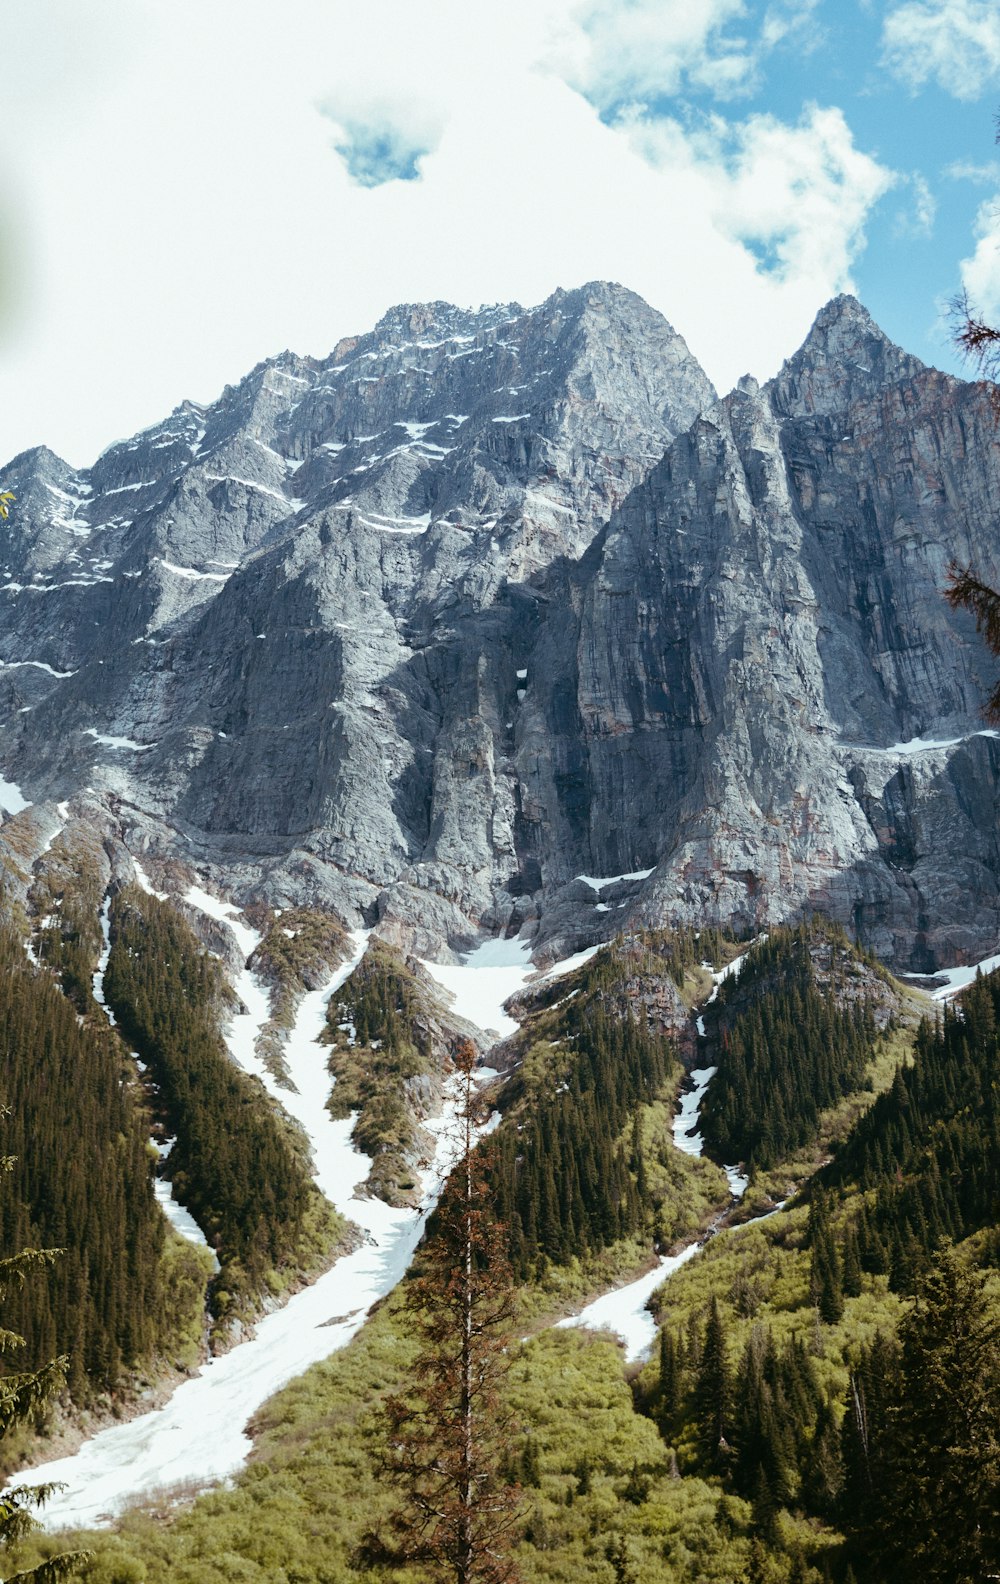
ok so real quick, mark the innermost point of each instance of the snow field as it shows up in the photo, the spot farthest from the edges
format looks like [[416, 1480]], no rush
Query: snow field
[[482, 983], [199, 1434], [624, 1310]]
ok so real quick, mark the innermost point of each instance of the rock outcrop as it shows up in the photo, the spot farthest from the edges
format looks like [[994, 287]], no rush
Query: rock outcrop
[[489, 602]]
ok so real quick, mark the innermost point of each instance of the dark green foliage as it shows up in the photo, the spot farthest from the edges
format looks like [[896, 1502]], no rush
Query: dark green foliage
[[23, 1394], [787, 1048], [713, 1395], [933, 1449], [233, 1164], [383, 1038], [67, 899], [928, 1150], [827, 1277], [565, 1177], [81, 1181], [686, 948]]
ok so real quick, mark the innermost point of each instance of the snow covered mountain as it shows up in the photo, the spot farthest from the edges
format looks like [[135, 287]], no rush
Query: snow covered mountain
[[489, 602]]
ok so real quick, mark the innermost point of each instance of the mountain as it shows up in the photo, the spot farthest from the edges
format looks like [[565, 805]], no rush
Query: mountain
[[489, 602]]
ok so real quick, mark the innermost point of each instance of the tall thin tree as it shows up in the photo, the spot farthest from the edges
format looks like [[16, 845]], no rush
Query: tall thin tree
[[448, 1442]]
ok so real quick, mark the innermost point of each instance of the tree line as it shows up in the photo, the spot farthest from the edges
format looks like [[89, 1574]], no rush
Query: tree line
[[905, 1463], [927, 1152], [569, 1172]]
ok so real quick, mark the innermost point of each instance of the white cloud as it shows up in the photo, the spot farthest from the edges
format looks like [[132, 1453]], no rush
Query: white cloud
[[798, 196], [185, 213], [918, 220], [624, 51], [381, 138], [983, 172], [628, 52], [955, 43], [981, 272]]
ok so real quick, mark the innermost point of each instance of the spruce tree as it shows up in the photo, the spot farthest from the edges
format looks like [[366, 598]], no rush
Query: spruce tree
[[713, 1391], [941, 1522]]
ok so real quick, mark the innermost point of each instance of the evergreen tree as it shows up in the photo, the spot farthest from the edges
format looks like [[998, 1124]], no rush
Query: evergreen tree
[[713, 1391], [448, 1443], [22, 1395], [941, 1522]]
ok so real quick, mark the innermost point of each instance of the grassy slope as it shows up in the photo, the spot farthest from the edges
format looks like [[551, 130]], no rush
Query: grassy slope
[[297, 1511]]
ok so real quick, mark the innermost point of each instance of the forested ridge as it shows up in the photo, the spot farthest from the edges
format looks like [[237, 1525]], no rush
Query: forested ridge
[[81, 1181], [791, 1425], [583, 1158], [793, 1034], [235, 1166], [927, 1154], [388, 1058]]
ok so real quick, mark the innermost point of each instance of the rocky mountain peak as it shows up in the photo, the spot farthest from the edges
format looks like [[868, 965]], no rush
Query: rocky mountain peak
[[498, 618], [844, 358]]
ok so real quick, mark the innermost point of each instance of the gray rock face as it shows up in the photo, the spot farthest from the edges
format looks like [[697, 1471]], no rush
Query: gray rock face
[[489, 601]]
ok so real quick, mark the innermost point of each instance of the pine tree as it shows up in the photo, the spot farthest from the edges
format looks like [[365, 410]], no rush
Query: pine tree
[[713, 1392], [21, 1396], [942, 1519], [448, 1444]]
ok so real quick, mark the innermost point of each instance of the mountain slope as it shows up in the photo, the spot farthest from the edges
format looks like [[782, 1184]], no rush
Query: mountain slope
[[487, 602]]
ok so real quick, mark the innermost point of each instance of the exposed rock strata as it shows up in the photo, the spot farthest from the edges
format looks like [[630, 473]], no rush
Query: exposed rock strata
[[489, 601]]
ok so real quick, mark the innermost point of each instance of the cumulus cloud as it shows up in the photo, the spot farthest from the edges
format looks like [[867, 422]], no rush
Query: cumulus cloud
[[796, 196], [955, 43], [628, 52], [981, 272], [227, 225]]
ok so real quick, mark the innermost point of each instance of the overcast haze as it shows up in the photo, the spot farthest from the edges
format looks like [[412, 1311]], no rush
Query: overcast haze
[[188, 187]]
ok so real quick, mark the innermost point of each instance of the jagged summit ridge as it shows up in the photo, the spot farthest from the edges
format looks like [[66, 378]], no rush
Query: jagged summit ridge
[[427, 631], [844, 357]]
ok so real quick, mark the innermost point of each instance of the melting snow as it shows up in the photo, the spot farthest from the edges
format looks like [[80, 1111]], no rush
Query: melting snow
[[685, 1137], [12, 665], [247, 938], [142, 880], [570, 964], [117, 742], [957, 978], [189, 572], [597, 884], [624, 1311], [484, 980], [919, 745], [199, 1434], [12, 799]]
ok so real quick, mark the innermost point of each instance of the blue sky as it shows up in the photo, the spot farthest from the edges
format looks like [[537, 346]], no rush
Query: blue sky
[[187, 188], [899, 92]]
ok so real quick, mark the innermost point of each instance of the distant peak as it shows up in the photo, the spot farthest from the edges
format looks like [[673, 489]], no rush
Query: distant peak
[[845, 358]]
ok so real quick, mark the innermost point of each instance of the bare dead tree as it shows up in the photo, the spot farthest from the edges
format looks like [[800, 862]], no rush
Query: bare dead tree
[[449, 1440]]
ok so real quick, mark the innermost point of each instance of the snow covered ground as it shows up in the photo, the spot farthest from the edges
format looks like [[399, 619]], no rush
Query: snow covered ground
[[957, 978], [686, 1137], [624, 1311], [12, 799], [483, 982], [199, 1434]]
